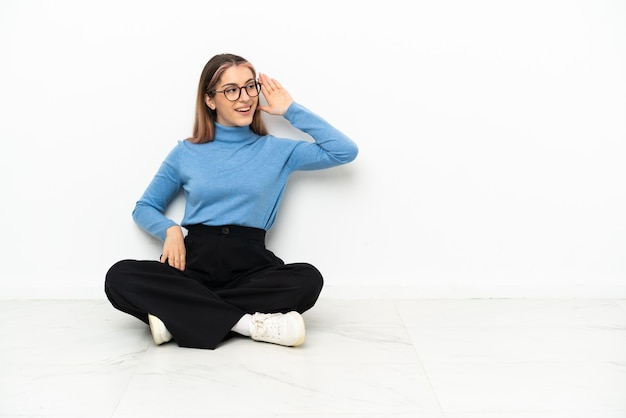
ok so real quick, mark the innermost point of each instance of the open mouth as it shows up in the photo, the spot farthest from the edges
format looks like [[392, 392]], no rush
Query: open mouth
[[244, 109]]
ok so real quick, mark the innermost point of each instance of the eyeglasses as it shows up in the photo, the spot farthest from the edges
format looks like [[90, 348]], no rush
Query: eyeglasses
[[234, 93]]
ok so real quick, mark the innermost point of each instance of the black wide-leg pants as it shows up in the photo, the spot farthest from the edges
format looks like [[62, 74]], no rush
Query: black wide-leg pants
[[229, 272]]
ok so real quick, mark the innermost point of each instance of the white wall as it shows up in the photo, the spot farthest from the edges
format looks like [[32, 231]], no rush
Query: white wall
[[492, 138]]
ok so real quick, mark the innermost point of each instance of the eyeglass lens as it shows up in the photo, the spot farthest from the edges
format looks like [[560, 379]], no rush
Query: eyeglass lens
[[234, 93]]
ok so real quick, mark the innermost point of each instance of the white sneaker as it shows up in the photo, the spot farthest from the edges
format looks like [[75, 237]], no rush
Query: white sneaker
[[160, 334], [284, 329]]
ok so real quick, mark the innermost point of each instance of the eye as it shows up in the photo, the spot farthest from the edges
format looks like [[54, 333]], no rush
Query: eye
[[251, 87], [231, 90]]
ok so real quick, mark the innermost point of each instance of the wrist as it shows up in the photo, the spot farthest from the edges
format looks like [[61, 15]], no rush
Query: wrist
[[173, 230]]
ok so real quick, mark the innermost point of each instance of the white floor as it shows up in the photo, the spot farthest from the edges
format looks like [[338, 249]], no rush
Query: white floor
[[493, 358]]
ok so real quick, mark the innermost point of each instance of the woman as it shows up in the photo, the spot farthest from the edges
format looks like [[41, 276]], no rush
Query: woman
[[220, 278]]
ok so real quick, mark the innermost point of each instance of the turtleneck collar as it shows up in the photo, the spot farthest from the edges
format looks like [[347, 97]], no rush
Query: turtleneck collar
[[234, 134]]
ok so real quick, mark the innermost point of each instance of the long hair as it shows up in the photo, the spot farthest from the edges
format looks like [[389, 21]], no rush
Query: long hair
[[204, 124]]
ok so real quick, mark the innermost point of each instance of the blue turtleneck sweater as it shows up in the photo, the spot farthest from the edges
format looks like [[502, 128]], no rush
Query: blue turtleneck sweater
[[239, 178]]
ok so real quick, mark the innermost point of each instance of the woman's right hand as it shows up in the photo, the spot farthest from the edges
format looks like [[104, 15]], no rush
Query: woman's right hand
[[174, 252]]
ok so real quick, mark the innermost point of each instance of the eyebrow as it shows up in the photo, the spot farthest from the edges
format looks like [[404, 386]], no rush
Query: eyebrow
[[235, 84]]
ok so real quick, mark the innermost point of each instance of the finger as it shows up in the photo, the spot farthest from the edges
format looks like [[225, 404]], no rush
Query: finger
[[268, 83], [178, 264], [277, 85], [265, 89], [264, 79]]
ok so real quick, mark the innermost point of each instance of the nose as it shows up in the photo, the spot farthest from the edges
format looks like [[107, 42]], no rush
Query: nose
[[242, 91]]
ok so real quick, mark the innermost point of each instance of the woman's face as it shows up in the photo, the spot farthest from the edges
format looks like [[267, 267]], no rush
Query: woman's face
[[241, 111]]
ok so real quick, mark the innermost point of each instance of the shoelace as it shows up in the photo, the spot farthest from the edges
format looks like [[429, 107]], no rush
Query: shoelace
[[267, 328]]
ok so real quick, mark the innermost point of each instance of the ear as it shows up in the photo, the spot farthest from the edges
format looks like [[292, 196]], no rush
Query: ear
[[209, 102]]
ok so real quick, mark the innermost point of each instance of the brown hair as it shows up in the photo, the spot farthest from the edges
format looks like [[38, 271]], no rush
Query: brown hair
[[204, 124]]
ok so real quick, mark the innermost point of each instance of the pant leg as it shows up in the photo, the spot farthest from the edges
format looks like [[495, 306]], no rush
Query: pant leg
[[280, 288], [194, 315]]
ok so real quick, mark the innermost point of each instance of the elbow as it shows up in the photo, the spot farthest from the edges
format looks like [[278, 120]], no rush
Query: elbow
[[135, 214], [137, 211], [351, 153]]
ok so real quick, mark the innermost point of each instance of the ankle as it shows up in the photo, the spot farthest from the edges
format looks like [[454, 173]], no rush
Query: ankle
[[243, 326]]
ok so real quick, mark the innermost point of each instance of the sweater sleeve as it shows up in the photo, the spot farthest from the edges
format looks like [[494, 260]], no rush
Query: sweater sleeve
[[331, 147], [150, 208]]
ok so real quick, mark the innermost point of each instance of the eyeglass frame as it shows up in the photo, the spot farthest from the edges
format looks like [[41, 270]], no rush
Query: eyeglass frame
[[256, 83]]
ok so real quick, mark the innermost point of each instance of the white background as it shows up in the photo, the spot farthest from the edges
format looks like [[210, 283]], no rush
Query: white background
[[492, 138]]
